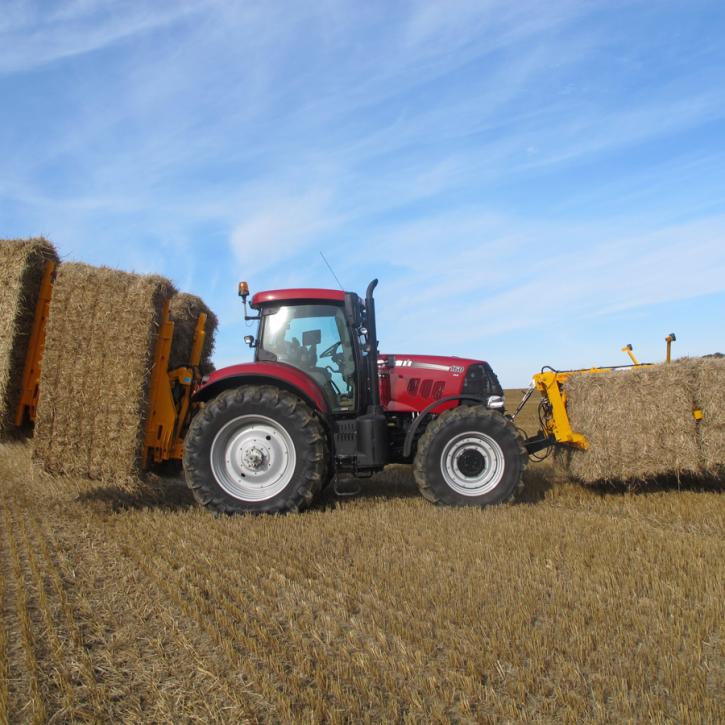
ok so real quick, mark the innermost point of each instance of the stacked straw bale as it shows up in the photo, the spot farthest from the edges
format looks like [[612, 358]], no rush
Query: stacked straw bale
[[102, 329], [184, 311], [640, 424], [21, 270], [711, 400]]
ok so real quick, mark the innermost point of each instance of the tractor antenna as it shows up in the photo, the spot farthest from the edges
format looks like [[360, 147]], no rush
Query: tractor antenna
[[332, 271]]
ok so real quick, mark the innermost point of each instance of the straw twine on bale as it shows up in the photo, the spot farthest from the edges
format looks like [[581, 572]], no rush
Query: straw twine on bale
[[102, 330], [184, 312], [22, 263], [639, 423], [710, 398]]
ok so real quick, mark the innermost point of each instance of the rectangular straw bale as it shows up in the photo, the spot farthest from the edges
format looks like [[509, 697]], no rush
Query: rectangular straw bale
[[184, 312], [710, 399], [102, 330], [22, 262], [638, 421]]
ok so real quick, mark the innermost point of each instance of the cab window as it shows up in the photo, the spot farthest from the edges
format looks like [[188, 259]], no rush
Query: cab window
[[315, 339]]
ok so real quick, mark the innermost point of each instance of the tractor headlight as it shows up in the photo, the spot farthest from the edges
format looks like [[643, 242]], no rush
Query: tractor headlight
[[495, 402]]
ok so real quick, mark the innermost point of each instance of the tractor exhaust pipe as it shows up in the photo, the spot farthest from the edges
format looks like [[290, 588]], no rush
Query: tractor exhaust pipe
[[372, 428], [372, 348]]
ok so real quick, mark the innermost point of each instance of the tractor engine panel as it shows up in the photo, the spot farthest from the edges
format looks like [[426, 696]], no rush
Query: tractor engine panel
[[409, 383]]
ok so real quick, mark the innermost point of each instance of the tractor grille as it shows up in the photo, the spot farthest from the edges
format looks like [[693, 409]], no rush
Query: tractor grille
[[481, 380]]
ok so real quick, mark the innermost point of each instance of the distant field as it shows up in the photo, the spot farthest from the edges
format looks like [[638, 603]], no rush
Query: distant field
[[135, 605], [528, 419]]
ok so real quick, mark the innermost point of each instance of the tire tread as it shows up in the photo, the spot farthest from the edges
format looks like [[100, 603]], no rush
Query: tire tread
[[312, 452], [438, 427]]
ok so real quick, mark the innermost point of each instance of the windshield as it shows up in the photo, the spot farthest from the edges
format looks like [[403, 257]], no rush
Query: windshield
[[315, 339]]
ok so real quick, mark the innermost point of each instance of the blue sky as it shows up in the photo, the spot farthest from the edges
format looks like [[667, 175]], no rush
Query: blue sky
[[533, 183]]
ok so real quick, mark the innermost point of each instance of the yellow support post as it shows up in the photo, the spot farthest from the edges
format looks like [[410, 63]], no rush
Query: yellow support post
[[669, 340], [628, 350], [167, 417], [549, 385], [186, 377], [162, 411], [30, 390]]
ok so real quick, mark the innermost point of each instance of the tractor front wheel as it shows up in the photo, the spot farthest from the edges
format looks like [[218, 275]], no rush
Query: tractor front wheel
[[255, 449], [469, 456]]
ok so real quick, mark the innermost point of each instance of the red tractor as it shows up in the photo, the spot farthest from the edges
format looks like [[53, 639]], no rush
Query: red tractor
[[319, 400]]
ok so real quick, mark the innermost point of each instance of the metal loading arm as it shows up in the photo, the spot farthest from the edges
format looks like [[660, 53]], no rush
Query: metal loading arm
[[168, 414], [558, 425], [30, 391]]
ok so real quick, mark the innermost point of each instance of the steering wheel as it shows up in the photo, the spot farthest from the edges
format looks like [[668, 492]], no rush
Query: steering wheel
[[330, 351]]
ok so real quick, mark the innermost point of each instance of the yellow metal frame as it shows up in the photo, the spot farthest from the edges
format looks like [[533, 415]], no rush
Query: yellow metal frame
[[557, 425], [29, 393], [168, 414], [549, 384], [628, 350], [669, 340]]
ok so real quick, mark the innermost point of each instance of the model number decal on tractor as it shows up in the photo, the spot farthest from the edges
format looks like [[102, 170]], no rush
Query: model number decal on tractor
[[455, 369]]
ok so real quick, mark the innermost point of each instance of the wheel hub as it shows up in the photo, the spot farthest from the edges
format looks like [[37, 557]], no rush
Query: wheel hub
[[253, 458], [471, 463]]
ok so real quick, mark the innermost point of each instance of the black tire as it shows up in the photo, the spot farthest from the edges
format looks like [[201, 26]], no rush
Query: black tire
[[475, 442], [296, 421]]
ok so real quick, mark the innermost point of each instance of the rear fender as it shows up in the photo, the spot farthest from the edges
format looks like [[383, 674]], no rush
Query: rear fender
[[264, 373]]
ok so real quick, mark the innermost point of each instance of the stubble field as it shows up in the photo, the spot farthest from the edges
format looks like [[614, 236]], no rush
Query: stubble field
[[125, 605]]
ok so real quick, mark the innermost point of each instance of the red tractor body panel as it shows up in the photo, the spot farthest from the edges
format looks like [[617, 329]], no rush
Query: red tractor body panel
[[415, 381], [275, 373], [302, 293]]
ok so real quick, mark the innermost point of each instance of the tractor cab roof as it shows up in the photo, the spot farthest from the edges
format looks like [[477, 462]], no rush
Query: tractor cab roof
[[297, 295]]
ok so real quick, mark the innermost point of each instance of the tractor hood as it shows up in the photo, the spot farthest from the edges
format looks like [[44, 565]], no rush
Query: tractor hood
[[409, 383]]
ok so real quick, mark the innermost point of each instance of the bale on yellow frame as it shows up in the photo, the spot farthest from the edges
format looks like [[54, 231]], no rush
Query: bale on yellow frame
[[22, 264], [640, 422], [96, 368]]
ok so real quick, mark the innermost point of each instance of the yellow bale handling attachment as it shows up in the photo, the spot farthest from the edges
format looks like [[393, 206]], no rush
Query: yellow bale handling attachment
[[29, 393], [555, 423], [170, 394], [170, 391]]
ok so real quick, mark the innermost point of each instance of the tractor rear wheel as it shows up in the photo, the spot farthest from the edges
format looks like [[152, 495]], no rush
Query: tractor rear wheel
[[255, 449], [470, 456]]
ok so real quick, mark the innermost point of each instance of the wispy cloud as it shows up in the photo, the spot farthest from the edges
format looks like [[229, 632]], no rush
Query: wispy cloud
[[283, 227], [33, 35]]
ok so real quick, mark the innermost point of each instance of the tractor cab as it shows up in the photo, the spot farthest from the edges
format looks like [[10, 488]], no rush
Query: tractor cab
[[314, 336], [325, 334]]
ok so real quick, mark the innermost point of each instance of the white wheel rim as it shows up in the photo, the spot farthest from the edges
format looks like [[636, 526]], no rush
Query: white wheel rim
[[472, 463], [253, 458]]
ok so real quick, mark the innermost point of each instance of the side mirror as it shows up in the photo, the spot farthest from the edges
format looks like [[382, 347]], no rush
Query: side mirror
[[249, 339]]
